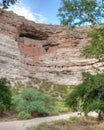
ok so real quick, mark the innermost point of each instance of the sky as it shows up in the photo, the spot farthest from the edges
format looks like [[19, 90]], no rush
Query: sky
[[40, 11]]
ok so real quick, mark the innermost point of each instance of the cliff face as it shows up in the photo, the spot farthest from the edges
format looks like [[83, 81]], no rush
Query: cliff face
[[28, 49]]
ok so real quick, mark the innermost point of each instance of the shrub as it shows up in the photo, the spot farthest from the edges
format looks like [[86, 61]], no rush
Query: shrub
[[24, 115], [5, 95], [73, 119], [56, 90], [88, 96], [60, 106], [30, 101]]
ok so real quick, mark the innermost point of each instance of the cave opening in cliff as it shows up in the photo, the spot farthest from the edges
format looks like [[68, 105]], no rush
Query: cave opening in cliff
[[30, 36]]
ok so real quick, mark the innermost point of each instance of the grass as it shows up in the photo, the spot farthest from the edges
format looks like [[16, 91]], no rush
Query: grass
[[73, 123], [73, 119], [61, 107], [56, 90], [56, 125], [38, 127]]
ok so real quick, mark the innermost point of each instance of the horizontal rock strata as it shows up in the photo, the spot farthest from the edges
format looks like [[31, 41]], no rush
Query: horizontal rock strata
[[28, 49]]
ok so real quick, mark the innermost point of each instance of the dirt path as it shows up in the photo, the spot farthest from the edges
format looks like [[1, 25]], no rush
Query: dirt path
[[23, 124]]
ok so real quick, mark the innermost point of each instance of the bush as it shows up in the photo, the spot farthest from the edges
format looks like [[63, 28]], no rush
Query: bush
[[73, 119], [56, 90], [30, 101], [5, 95], [24, 115], [88, 96]]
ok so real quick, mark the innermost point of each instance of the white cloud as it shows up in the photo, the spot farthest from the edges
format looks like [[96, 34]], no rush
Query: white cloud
[[25, 11]]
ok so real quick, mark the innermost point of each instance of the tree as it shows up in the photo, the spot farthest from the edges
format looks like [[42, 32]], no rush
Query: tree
[[81, 12], [6, 3], [5, 95], [88, 96], [96, 47]]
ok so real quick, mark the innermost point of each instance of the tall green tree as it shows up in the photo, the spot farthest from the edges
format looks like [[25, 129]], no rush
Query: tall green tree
[[89, 95], [6, 3], [79, 12]]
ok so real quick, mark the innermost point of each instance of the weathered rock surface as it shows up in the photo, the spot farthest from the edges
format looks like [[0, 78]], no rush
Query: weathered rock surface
[[28, 49]]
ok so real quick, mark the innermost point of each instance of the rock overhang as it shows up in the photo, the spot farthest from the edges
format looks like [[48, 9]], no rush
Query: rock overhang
[[42, 51]]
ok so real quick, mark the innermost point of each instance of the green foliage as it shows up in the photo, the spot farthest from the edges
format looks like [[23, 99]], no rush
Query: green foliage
[[5, 95], [78, 12], [96, 48], [56, 90], [24, 115], [88, 96], [73, 119], [60, 106], [6, 3], [30, 100], [60, 122]]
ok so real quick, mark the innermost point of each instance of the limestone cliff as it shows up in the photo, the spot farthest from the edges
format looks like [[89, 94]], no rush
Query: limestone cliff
[[28, 49]]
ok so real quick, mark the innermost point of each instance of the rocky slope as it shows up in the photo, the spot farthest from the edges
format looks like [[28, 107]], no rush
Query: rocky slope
[[28, 49]]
